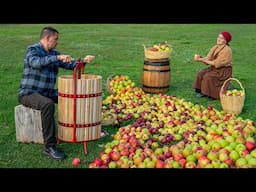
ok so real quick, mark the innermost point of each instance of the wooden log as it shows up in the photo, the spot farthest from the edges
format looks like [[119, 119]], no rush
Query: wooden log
[[28, 125]]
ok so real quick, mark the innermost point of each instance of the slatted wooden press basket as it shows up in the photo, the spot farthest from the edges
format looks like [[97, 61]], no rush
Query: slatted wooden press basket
[[79, 106]]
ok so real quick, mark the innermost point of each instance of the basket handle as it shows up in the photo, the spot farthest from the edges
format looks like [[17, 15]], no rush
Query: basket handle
[[229, 79], [110, 77], [144, 46]]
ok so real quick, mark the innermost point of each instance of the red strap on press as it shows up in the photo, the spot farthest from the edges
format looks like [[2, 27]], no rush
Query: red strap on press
[[79, 125], [80, 95]]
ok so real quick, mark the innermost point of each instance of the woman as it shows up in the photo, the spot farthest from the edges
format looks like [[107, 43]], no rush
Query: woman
[[209, 81]]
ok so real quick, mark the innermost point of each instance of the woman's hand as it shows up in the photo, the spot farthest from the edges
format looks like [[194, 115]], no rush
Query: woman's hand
[[197, 57]]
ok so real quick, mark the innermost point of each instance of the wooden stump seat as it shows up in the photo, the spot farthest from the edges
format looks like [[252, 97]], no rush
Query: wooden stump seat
[[28, 125]]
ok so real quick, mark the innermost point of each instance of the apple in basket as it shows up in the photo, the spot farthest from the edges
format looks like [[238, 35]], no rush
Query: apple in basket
[[154, 49], [235, 92], [167, 49], [164, 47]]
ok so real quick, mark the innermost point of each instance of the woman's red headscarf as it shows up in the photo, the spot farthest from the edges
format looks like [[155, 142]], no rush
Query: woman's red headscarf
[[227, 36]]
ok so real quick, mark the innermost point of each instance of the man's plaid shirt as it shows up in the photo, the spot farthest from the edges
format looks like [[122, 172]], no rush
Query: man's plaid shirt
[[40, 71]]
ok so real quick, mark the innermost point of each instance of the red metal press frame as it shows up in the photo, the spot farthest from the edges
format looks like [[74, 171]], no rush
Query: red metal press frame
[[77, 75], [79, 68]]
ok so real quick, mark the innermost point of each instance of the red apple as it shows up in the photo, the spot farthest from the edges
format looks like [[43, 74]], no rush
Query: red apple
[[203, 161], [98, 162], [76, 161], [182, 162], [160, 164], [250, 145], [115, 155], [229, 162], [243, 153]]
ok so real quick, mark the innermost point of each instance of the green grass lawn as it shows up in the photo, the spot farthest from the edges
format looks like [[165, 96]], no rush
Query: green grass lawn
[[118, 50]]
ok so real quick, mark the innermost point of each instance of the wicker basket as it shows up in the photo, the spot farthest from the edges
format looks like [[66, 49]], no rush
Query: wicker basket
[[231, 103], [156, 54], [110, 120]]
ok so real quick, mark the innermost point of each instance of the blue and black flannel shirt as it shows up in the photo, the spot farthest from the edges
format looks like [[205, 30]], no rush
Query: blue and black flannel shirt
[[40, 71]]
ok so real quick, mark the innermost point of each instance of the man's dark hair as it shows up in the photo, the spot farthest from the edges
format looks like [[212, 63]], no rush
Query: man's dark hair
[[48, 31]]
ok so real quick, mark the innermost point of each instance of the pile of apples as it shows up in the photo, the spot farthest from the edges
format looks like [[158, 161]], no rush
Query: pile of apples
[[234, 92], [121, 83], [170, 132], [108, 116], [126, 106]]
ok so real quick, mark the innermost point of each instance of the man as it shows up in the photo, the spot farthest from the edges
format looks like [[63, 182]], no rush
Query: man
[[37, 90]]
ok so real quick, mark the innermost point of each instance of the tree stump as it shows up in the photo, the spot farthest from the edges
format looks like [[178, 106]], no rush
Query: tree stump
[[28, 125]]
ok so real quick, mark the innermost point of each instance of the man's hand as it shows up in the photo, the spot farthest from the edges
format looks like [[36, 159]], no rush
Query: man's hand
[[88, 58], [65, 58]]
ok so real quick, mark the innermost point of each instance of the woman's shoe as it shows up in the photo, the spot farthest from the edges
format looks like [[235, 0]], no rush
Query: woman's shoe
[[199, 95], [211, 98]]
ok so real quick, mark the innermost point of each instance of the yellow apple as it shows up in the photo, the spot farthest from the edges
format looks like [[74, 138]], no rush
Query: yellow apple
[[196, 57]]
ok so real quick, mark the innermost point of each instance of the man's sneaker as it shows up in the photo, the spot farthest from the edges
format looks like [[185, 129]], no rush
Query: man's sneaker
[[54, 153]]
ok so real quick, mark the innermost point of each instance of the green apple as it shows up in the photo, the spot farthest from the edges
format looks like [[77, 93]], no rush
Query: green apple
[[176, 164], [191, 158], [253, 153], [154, 145], [212, 155], [208, 166], [112, 164], [230, 139], [241, 162], [223, 165], [202, 142], [219, 130], [234, 155], [186, 151], [240, 147], [216, 163], [150, 164], [178, 137], [223, 156], [159, 151], [229, 148], [223, 143], [252, 162], [216, 146]]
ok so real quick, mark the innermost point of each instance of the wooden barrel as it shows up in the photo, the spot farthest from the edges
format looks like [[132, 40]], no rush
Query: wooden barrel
[[79, 115], [156, 75]]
